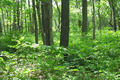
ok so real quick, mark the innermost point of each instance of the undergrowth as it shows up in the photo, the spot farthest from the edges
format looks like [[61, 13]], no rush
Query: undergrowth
[[87, 59]]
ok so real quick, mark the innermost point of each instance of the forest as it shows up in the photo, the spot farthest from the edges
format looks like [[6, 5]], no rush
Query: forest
[[59, 39]]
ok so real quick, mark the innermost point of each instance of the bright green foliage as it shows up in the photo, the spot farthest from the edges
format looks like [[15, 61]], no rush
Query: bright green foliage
[[8, 40], [87, 58]]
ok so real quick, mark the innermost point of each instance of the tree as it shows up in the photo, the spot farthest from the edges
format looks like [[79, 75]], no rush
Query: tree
[[3, 19], [47, 22], [40, 22], [99, 15], [18, 14], [64, 37], [35, 19], [0, 26], [25, 17], [93, 20], [84, 16], [59, 17], [113, 5], [30, 19], [14, 16], [21, 25]]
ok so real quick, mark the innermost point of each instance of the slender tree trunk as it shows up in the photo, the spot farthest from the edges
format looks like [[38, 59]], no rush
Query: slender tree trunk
[[0, 26], [47, 21], [18, 26], [3, 19], [113, 5], [50, 19], [7, 18], [64, 37], [25, 18], [43, 17], [29, 16], [93, 20], [10, 19], [40, 22], [99, 27], [84, 16], [59, 18], [114, 18], [21, 25], [32, 24], [119, 24], [14, 18], [35, 19]]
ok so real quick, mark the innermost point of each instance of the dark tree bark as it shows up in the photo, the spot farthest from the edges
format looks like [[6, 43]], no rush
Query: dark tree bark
[[84, 16], [29, 28], [64, 37], [7, 19], [47, 21], [32, 24], [119, 23], [10, 19], [35, 19], [99, 27], [59, 18], [14, 17], [113, 5], [40, 22], [93, 20], [79, 23], [21, 25], [0, 26], [18, 15], [43, 18], [25, 18], [3, 19]]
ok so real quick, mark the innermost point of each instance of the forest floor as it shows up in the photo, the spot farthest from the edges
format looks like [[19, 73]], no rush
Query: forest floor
[[87, 59]]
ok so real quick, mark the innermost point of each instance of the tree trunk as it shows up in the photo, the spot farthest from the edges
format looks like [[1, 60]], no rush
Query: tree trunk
[[119, 22], [0, 26], [84, 16], [93, 20], [113, 5], [59, 18], [50, 18], [35, 19], [29, 17], [99, 27], [47, 21], [40, 23], [18, 26], [21, 25], [32, 24], [7, 19], [114, 19], [14, 19], [25, 19], [10, 19], [3, 19], [64, 37]]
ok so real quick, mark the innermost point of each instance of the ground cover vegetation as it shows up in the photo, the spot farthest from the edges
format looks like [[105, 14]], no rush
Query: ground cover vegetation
[[59, 40], [87, 58]]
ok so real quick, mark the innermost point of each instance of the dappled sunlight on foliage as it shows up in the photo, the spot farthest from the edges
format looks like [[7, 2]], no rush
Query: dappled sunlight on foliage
[[87, 59]]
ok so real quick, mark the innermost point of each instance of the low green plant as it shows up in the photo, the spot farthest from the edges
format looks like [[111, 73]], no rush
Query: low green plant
[[87, 59]]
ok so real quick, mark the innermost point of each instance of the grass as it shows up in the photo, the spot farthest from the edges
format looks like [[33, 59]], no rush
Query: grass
[[87, 59]]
